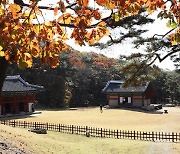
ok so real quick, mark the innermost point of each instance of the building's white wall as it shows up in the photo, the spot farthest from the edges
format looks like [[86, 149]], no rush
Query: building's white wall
[[113, 102], [129, 99], [121, 100], [30, 107], [146, 102], [137, 102]]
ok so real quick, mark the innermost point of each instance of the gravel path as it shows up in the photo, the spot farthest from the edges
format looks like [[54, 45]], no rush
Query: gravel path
[[7, 148]]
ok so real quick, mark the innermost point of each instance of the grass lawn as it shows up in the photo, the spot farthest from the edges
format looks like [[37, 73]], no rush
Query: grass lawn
[[55, 142]]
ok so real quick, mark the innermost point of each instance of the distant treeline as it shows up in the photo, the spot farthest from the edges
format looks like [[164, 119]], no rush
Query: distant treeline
[[79, 79], [77, 82]]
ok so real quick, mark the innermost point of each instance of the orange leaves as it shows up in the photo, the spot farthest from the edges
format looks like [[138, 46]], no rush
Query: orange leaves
[[60, 7], [14, 8], [96, 34], [103, 61], [102, 2], [55, 10], [154, 5], [96, 14], [83, 3], [21, 39]]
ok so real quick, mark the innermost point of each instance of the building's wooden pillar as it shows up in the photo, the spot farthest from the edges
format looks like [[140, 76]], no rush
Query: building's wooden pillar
[[142, 100], [0, 99], [108, 99], [15, 106], [118, 99], [0, 105], [132, 99]]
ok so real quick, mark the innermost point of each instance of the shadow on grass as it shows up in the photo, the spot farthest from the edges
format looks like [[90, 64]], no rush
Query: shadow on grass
[[138, 110], [19, 116], [66, 109]]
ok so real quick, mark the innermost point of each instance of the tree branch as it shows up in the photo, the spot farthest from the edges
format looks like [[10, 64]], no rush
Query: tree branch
[[164, 34], [167, 55], [22, 4]]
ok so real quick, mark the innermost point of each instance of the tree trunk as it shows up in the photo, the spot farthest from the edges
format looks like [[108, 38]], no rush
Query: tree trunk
[[3, 68]]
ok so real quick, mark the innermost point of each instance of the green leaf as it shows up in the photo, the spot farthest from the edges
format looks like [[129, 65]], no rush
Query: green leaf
[[174, 25], [171, 24], [116, 17], [22, 64]]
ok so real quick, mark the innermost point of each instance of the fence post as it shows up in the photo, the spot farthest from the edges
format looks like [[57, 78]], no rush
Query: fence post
[[172, 136], [24, 124], [134, 135], [101, 132], [35, 125], [153, 136], [72, 129], [59, 127], [14, 123], [47, 126], [117, 134]]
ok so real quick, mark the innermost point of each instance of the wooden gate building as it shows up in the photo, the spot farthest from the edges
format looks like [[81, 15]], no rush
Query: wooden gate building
[[132, 96], [17, 96]]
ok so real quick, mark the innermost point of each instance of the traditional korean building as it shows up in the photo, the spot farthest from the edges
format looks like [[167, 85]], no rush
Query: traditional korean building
[[17, 96], [132, 96]]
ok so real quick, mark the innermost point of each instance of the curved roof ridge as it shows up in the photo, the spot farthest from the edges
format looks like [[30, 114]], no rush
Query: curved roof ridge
[[17, 84]]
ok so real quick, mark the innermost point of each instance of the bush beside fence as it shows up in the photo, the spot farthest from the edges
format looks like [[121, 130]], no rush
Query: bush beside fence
[[97, 132]]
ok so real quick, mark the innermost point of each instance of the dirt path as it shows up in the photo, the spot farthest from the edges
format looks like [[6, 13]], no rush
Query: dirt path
[[165, 147]]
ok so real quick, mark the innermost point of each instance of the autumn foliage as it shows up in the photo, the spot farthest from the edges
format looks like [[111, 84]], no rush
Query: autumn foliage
[[23, 37]]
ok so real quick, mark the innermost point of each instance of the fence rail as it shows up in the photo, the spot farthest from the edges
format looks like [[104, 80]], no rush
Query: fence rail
[[97, 132]]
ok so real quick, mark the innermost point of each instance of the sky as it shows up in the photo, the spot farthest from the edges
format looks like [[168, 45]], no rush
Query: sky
[[126, 48], [159, 27]]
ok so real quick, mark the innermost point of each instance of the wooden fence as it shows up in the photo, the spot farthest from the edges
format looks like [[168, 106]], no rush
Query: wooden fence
[[97, 132]]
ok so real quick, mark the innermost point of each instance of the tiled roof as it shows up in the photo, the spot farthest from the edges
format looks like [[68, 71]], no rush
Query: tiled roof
[[15, 84], [115, 86]]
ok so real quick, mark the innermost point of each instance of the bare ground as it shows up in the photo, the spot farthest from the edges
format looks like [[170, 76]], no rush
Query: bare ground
[[122, 119]]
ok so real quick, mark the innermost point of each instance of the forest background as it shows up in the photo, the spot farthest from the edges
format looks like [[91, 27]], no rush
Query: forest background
[[79, 79]]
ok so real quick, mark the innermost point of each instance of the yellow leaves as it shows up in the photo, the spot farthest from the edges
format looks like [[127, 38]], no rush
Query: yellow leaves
[[110, 5], [2, 54], [25, 61], [175, 38], [66, 18], [102, 28], [1, 11], [35, 48]]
